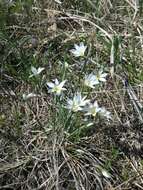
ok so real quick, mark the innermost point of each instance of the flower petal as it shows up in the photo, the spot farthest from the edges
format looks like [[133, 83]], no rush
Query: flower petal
[[50, 84], [40, 69], [34, 70]]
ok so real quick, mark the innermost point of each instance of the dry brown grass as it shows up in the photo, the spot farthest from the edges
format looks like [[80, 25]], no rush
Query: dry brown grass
[[34, 154]]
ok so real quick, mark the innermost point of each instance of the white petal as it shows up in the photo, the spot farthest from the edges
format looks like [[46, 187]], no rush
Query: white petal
[[102, 79], [83, 46], [50, 84], [104, 75], [96, 81], [31, 95], [26, 97], [56, 82], [58, 92], [95, 104], [40, 69], [62, 83], [98, 109], [73, 51], [58, 1], [31, 76], [78, 96], [76, 46], [105, 174], [63, 89], [76, 54], [34, 70], [90, 124], [69, 101]]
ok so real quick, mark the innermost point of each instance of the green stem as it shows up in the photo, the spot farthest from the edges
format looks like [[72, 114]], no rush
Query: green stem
[[68, 121]]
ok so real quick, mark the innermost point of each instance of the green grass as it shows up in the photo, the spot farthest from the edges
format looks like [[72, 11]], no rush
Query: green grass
[[43, 144]]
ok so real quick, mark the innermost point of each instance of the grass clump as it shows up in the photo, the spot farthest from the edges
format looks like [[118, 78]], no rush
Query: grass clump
[[71, 110]]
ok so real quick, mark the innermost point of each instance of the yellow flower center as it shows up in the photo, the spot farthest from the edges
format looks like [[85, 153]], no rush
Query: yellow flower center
[[57, 89], [93, 112]]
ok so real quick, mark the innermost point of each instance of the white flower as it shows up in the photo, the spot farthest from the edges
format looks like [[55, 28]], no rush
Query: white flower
[[92, 109], [100, 77], [105, 113], [77, 103], [90, 80], [28, 96], [56, 87], [35, 71], [79, 50]]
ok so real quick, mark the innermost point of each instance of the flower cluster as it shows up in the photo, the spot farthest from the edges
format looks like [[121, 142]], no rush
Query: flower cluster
[[91, 80], [77, 102]]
